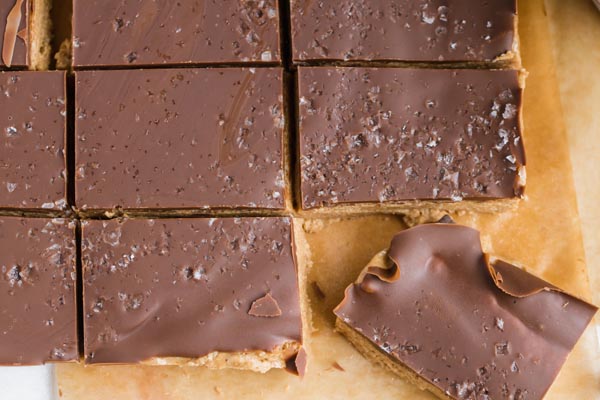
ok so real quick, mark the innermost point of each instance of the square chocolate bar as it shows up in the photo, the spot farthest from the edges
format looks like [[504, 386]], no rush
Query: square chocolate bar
[[406, 30], [133, 32], [220, 292], [439, 312], [32, 149], [38, 312], [180, 138], [397, 138]]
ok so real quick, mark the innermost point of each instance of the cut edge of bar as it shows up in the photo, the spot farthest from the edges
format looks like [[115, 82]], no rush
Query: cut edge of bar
[[375, 354]]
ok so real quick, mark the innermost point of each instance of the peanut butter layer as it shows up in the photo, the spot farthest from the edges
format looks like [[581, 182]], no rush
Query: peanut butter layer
[[180, 138], [13, 27], [188, 288], [466, 325], [135, 32], [32, 150], [38, 315], [406, 30], [369, 135]]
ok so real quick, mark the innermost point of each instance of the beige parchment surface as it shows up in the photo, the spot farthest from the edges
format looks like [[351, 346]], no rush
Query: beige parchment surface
[[575, 29], [544, 234], [576, 32]]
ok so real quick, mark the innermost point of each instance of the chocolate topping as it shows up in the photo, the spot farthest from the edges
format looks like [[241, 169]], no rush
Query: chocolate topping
[[266, 307], [448, 317], [408, 30], [134, 32], [38, 317], [32, 128], [385, 135], [180, 138], [14, 52], [183, 287], [337, 366]]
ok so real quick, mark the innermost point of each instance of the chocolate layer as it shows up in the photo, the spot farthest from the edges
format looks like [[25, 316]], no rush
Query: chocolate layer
[[13, 27], [188, 287], [472, 328], [386, 135], [407, 30], [38, 315], [180, 138], [32, 151], [137, 32]]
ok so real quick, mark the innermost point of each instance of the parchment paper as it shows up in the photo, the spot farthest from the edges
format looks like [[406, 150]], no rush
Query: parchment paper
[[576, 26], [543, 234], [575, 30]]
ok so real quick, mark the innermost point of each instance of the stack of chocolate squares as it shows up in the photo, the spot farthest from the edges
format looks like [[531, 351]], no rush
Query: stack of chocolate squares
[[152, 195], [86, 229]]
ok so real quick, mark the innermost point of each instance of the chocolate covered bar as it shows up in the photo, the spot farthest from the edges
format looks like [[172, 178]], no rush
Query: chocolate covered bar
[[433, 31], [32, 153], [216, 292], [25, 28], [134, 32], [180, 138], [396, 139], [38, 315], [436, 310]]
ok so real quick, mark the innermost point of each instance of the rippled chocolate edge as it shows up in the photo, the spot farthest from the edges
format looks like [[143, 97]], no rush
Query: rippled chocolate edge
[[508, 278]]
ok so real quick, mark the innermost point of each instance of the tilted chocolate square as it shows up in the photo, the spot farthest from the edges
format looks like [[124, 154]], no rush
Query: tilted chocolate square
[[180, 138], [436, 310], [38, 315], [32, 149], [406, 30], [134, 32], [396, 139], [214, 292]]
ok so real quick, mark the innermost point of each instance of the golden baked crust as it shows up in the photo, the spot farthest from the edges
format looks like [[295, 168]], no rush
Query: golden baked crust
[[377, 356], [426, 207], [63, 57], [257, 361], [40, 35]]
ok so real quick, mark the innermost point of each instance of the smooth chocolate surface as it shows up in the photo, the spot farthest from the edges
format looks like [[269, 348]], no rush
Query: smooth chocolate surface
[[385, 135], [140, 32], [13, 28], [188, 287], [32, 146], [38, 315], [181, 138], [406, 30], [474, 329]]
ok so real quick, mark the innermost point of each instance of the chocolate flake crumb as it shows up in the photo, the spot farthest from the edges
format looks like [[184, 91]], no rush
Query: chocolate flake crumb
[[297, 363], [266, 307], [337, 366], [446, 219]]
